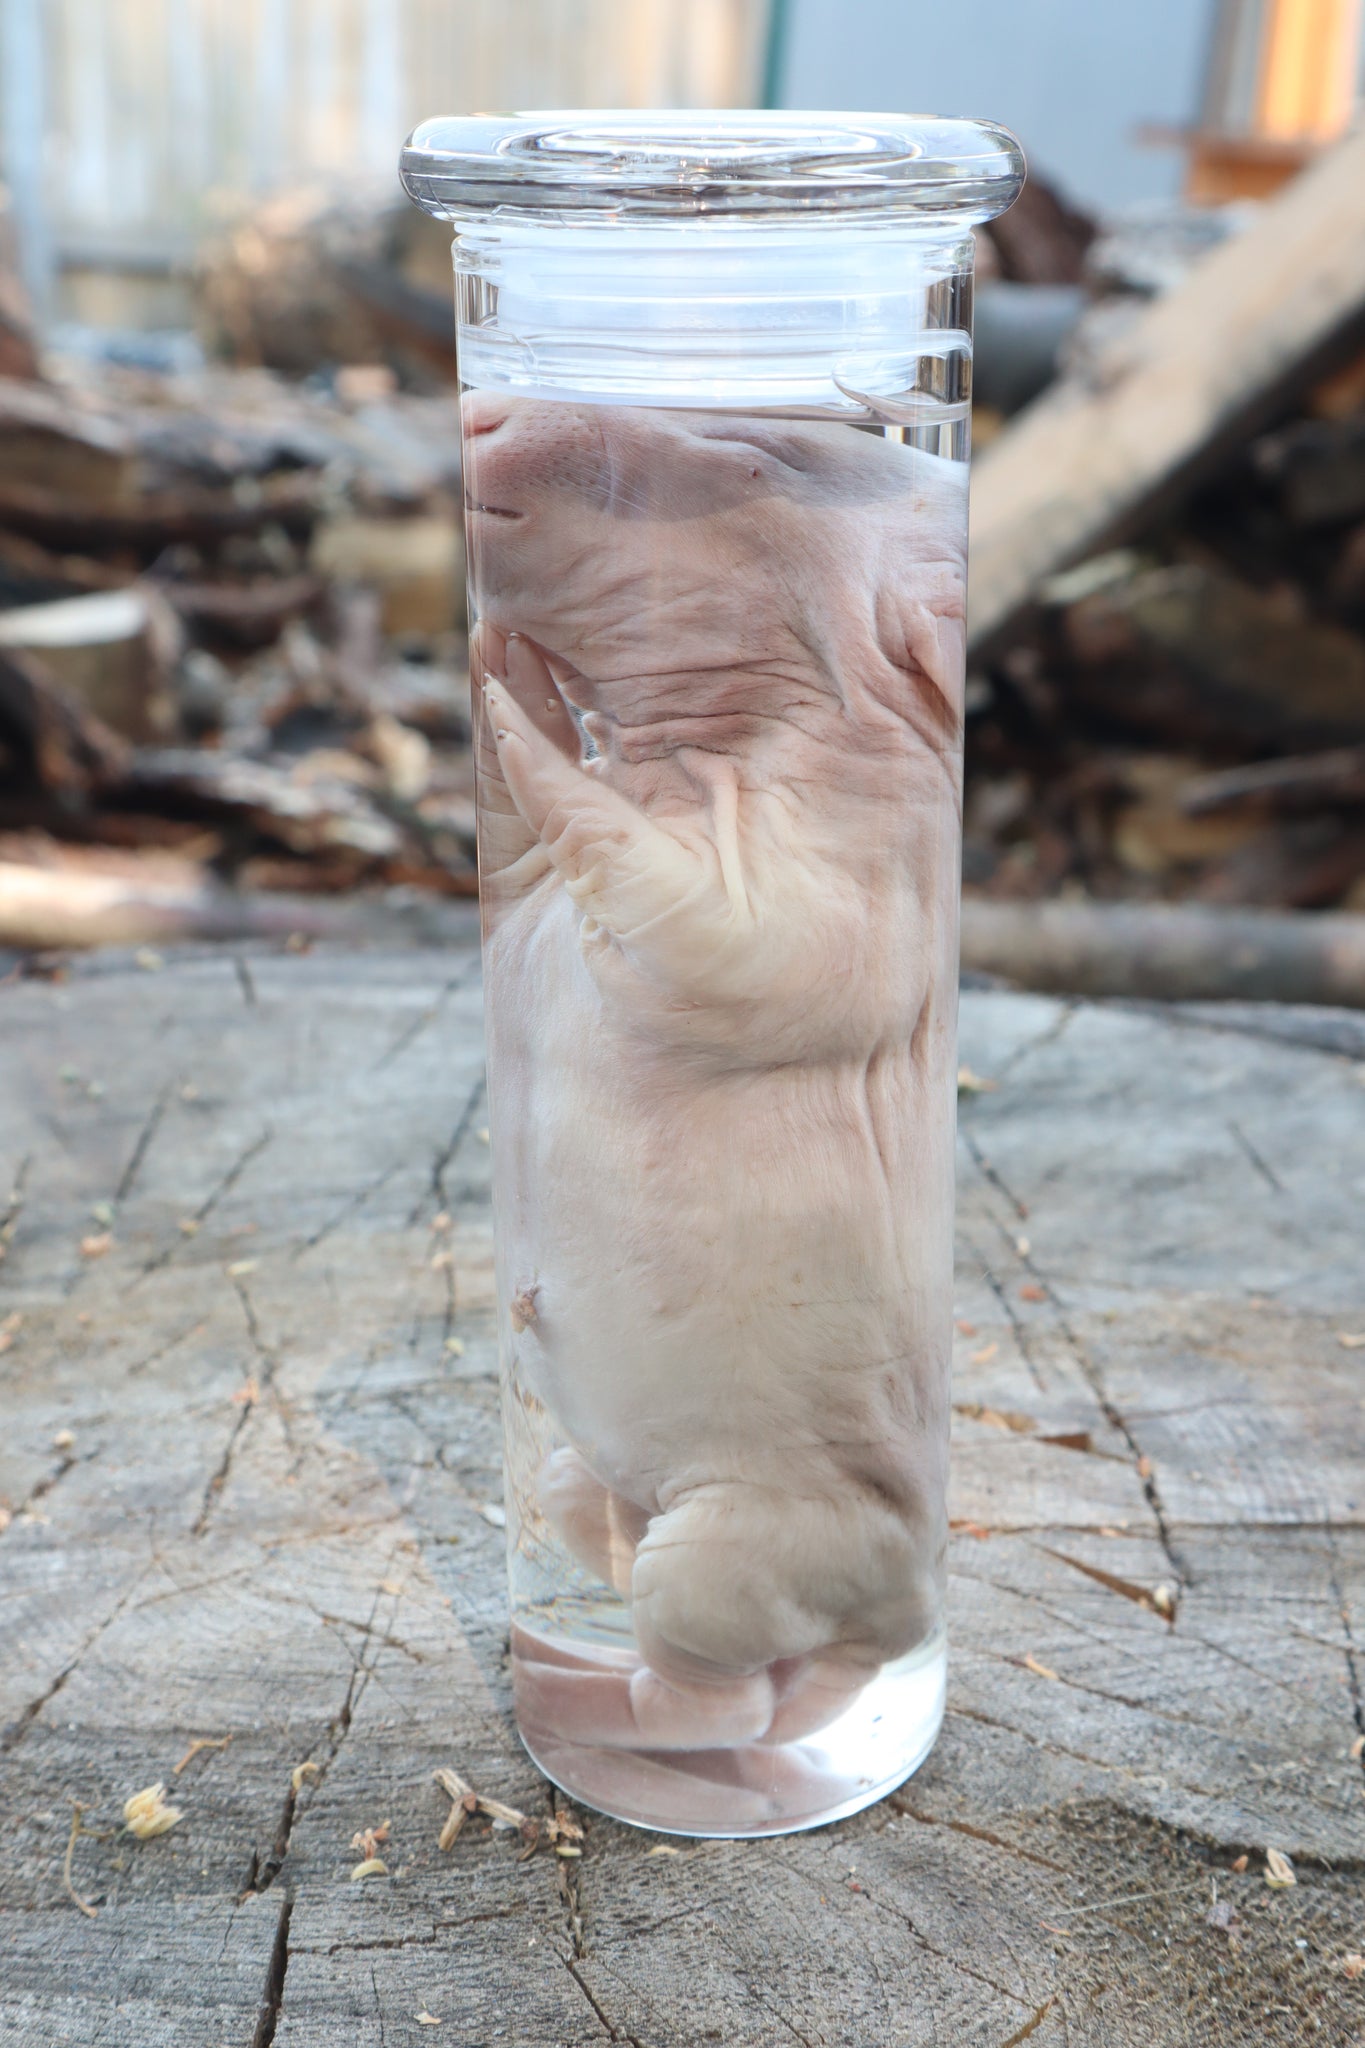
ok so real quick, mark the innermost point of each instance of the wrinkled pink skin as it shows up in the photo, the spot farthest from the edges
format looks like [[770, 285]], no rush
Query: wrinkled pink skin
[[721, 974]]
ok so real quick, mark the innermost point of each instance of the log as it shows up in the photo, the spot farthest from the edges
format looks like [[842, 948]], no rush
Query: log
[[112, 649], [1295, 782], [49, 444], [417, 566], [1318, 468], [1250, 328], [252, 1462], [54, 741], [1175, 953], [152, 520], [68, 905], [242, 614], [1192, 652]]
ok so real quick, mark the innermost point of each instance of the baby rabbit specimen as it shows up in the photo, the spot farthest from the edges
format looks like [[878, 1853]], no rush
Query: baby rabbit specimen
[[718, 675]]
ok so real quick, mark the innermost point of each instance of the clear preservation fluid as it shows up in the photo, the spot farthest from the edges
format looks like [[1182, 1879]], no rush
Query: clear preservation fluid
[[718, 668]]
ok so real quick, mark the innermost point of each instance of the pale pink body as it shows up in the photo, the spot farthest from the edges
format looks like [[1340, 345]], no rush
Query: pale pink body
[[721, 976]]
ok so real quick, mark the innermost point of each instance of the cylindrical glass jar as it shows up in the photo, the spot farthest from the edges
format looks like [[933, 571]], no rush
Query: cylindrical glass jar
[[717, 382]]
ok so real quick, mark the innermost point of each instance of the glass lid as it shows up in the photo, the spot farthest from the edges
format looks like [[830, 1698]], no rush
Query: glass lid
[[735, 164]]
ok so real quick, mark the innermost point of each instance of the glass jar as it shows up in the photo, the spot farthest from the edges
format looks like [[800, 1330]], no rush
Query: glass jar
[[716, 376]]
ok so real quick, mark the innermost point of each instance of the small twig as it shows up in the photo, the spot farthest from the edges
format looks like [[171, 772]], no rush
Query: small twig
[[1108, 1905], [200, 1742], [90, 1912]]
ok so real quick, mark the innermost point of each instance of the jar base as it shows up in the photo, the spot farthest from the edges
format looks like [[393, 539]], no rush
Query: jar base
[[732, 1794]]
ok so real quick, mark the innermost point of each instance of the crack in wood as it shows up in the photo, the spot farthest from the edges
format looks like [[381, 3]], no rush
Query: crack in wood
[[268, 1365], [1090, 1370], [350, 1207], [155, 1357], [1030, 2026], [206, 1208], [613, 2032], [18, 1728], [14, 1207], [939, 1954], [426, 1018], [272, 1997], [245, 981], [1257, 1160], [151, 1124], [1018, 1328], [44, 1488], [262, 1874], [1047, 1036], [436, 1190], [1351, 1650], [992, 1178], [899, 1804]]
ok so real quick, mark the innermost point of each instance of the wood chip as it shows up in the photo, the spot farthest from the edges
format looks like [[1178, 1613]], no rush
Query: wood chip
[[985, 1354], [1039, 1670], [1240, 1865], [493, 1514], [247, 1395], [200, 1742], [96, 1246], [1279, 1871], [966, 1329], [1023, 1246], [239, 1268], [301, 1773], [373, 1866], [369, 1840], [663, 1849], [1353, 1966], [90, 1912], [1144, 1467], [464, 1802], [441, 1223], [969, 1083], [146, 1814], [188, 1226], [501, 1815], [64, 1440], [454, 1348], [426, 2019], [998, 1418], [1358, 1749], [1351, 1340], [1030, 1292]]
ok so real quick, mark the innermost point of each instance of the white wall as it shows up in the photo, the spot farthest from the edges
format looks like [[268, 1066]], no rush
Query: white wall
[[1072, 78]]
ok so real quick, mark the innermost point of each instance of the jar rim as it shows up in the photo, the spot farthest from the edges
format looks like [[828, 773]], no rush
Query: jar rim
[[688, 165]]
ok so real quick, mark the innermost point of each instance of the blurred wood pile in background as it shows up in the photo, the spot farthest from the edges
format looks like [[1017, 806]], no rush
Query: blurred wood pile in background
[[232, 657], [231, 615]]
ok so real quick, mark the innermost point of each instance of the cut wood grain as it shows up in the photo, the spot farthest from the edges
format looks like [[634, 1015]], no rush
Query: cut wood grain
[[248, 1451], [1250, 328], [1170, 952]]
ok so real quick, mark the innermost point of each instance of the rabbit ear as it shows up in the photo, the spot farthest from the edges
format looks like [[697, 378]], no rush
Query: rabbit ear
[[619, 868]]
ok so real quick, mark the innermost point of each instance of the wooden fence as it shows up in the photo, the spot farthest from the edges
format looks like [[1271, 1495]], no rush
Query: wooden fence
[[127, 125]]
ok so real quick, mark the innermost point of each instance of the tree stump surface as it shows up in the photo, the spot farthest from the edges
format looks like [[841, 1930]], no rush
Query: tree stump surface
[[251, 1452]]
